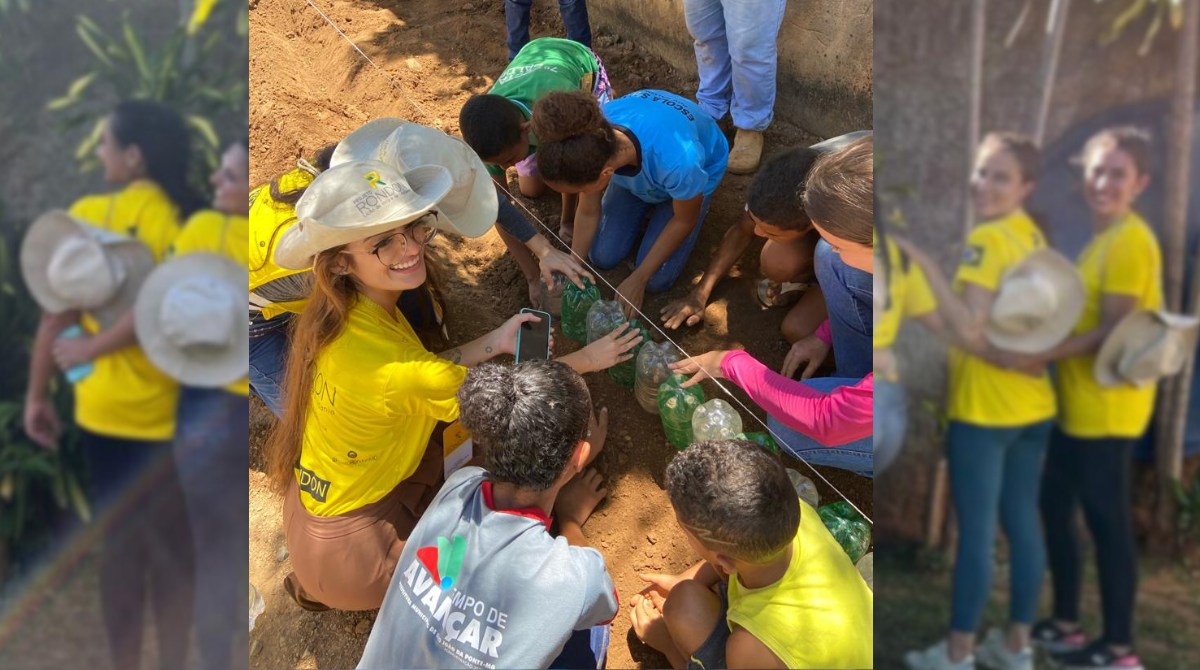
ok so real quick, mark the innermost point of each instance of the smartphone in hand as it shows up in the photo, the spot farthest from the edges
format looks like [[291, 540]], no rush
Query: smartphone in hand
[[533, 340]]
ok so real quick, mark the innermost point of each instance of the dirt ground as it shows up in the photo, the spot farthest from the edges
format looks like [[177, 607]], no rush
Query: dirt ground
[[309, 88]]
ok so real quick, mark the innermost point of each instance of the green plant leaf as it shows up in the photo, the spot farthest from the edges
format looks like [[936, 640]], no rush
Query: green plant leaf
[[89, 143], [89, 40], [135, 49], [205, 128]]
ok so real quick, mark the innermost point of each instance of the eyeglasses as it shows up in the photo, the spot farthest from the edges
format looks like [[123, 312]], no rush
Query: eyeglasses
[[393, 249]]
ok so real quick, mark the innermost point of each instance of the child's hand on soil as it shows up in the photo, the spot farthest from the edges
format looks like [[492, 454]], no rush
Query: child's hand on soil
[[579, 498], [645, 613], [689, 309], [597, 433], [611, 349], [659, 583], [630, 294]]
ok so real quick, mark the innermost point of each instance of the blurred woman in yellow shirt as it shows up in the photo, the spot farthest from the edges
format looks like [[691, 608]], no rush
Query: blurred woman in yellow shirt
[[1090, 459], [125, 408]]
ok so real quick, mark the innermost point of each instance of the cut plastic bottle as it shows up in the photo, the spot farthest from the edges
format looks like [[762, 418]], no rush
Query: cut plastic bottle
[[866, 568], [716, 420], [257, 605], [575, 305], [805, 488], [763, 440], [552, 296], [675, 408], [652, 370], [848, 527]]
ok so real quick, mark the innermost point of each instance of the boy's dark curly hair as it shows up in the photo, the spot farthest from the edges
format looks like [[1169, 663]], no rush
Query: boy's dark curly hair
[[773, 193], [735, 498], [528, 418], [490, 124]]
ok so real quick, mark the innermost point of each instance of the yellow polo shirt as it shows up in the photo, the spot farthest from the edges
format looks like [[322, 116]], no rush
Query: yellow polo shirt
[[980, 393], [268, 221], [1123, 260], [218, 233], [820, 614], [126, 396], [377, 395], [909, 296]]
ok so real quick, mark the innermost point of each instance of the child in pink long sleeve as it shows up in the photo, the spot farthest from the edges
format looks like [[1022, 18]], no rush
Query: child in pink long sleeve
[[824, 420]]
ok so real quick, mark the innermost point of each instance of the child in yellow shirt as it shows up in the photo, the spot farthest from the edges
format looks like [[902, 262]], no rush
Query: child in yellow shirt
[[774, 589]]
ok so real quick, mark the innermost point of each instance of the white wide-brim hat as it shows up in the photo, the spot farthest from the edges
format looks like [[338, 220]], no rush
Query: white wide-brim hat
[[471, 205], [1146, 346], [70, 265], [190, 320], [1037, 304], [354, 201]]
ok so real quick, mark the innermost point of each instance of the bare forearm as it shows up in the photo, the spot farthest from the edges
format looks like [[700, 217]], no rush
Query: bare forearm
[[733, 245], [122, 334], [41, 361], [586, 223], [472, 353], [573, 532], [672, 236]]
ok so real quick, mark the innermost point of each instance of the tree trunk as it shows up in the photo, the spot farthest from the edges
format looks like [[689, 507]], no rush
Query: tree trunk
[[1169, 452]]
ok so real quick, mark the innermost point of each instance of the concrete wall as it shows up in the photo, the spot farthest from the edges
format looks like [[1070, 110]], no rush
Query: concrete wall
[[825, 55]]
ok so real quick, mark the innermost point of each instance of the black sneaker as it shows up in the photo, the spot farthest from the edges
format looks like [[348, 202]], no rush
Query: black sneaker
[[1098, 656], [1047, 635]]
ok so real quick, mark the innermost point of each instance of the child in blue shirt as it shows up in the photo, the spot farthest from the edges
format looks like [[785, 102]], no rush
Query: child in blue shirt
[[650, 152]]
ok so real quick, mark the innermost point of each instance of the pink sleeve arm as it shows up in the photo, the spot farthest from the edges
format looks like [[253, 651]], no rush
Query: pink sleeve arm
[[825, 333], [841, 416]]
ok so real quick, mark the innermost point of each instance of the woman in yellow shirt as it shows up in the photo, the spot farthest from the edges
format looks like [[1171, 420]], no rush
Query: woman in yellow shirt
[[211, 423], [125, 408], [369, 408], [1091, 453], [1000, 419]]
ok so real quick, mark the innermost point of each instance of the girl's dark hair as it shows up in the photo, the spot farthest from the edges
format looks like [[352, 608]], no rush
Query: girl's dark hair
[[490, 124], [772, 194], [735, 497], [839, 192], [528, 418], [162, 136], [1023, 150], [291, 197], [575, 140], [1132, 140]]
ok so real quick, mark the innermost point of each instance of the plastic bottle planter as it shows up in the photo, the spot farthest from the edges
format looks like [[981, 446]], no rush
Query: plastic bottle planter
[[805, 488], [848, 527], [603, 317], [575, 305], [675, 407], [552, 296], [626, 372], [866, 568], [715, 420], [257, 605], [763, 440], [651, 371]]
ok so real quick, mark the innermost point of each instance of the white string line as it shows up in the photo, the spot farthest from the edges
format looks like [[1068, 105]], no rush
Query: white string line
[[645, 319]]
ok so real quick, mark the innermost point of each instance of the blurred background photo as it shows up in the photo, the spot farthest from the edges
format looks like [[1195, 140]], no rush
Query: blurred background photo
[[1038, 166], [124, 126]]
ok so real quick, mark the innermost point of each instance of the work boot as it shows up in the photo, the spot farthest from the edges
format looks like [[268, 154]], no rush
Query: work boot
[[746, 152]]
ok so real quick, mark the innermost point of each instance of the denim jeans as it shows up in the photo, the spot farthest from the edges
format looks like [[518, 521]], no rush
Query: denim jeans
[[994, 476], [268, 353], [891, 421], [621, 219], [736, 56], [210, 450], [854, 456], [585, 649], [848, 298], [574, 18]]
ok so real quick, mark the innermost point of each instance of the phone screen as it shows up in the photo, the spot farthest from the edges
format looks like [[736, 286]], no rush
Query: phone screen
[[533, 342]]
